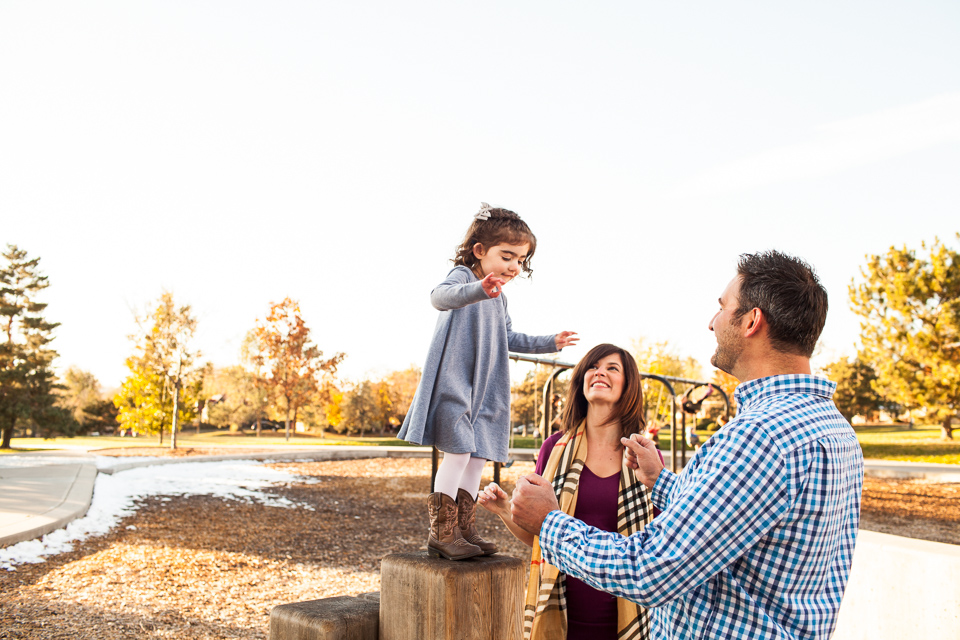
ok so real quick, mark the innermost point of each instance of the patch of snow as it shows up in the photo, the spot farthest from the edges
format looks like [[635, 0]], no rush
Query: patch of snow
[[115, 497], [105, 463]]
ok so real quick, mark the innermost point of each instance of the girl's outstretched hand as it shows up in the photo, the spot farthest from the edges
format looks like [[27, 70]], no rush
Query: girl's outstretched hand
[[492, 285], [494, 499], [566, 339]]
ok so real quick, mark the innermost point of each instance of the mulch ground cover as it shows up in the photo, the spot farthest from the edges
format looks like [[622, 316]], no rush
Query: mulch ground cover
[[204, 568], [912, 508]]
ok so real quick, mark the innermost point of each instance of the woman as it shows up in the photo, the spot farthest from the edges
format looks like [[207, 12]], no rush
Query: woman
[[605, 403]]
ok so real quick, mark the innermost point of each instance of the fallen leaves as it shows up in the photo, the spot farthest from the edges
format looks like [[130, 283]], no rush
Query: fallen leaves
[[912, 508], [204, 568], [201, 568]]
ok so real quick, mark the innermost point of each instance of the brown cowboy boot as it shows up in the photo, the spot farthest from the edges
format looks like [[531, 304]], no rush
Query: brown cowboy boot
[[445, 537], [467, 519]]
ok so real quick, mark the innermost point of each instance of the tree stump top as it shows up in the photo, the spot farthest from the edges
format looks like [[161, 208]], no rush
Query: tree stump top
[[424, 598]]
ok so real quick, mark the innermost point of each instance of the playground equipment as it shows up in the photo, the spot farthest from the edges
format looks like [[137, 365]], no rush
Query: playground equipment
[[664, 411], [668, 402], [420, 598]]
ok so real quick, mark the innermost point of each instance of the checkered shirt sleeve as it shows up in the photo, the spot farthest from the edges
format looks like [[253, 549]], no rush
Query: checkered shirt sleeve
[[756, 536]]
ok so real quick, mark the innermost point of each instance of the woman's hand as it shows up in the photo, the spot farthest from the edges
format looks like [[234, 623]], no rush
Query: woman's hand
[[492, 285], [495, 500], [566, 339]]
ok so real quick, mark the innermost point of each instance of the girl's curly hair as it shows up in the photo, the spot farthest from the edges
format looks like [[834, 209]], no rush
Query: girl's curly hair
[[501, 227]]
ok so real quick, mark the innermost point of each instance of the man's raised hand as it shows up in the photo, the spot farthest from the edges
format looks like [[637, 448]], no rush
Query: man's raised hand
[[641, 454], [533, 498]]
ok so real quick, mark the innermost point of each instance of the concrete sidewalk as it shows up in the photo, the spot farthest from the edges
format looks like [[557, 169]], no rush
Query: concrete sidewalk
[[35, 500], [38, 499], [912, 470]]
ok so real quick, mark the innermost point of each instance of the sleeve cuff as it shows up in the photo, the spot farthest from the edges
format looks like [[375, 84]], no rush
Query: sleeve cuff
[[551, 533], [662, 489]]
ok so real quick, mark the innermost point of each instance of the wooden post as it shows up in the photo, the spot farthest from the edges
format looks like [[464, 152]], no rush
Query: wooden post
[[339, 618], [424, 598]]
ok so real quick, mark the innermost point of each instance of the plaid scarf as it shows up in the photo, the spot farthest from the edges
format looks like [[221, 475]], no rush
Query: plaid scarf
[[545, 608]]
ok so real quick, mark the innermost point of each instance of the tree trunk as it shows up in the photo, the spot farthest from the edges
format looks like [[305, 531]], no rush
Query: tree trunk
[[176, 410], [7, 435], [286, 424], [258, 426], [946, 429]]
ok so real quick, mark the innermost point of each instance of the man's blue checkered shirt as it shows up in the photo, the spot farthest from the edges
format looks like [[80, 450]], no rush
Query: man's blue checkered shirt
[[756, 536]]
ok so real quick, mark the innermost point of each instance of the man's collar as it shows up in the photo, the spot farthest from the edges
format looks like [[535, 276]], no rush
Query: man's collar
[[753, 390]]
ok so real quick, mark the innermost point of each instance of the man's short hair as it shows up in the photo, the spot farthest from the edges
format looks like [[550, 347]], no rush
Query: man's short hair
[[787, 290]]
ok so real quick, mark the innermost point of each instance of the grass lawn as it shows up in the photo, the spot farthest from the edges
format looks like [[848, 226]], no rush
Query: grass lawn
[[883, 442], [890, 442], [191, 439], [897, 442]]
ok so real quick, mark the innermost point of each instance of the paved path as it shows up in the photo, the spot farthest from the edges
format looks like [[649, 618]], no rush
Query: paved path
[[37, 500], [43, 491]]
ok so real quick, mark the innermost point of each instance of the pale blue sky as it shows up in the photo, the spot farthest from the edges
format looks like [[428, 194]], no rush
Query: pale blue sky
[[238, 152]]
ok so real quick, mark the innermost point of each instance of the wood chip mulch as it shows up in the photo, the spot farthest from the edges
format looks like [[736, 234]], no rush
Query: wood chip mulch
[[205, 568], [912, 508]]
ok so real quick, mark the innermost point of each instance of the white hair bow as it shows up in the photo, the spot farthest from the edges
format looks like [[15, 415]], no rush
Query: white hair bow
[[484, 213]]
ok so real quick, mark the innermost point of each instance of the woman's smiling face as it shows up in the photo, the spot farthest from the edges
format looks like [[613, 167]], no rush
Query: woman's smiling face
[[603, 381]]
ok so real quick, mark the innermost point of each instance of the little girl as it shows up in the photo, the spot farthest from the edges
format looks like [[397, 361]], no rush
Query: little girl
[[462, 405]]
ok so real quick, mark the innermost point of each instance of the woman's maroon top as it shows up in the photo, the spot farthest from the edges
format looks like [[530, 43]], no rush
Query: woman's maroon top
[[591, 614]]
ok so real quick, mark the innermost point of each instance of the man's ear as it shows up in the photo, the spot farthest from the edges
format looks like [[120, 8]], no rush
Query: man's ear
[[754, 321], [479, 251]]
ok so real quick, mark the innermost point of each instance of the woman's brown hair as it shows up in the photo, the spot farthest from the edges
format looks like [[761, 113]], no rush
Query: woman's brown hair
[[501, 227], [628, 410]]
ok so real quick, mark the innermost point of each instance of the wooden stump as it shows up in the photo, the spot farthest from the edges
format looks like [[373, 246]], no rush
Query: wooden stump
[[424, 598], [340, 618]]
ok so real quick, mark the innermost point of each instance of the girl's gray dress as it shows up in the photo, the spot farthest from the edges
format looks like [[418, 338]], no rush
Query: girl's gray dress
[[463, 402]]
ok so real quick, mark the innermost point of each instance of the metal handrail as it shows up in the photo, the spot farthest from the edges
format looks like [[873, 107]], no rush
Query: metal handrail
[[666, 381]]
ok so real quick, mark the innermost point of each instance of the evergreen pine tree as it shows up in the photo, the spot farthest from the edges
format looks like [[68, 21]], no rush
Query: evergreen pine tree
[[26, 378]]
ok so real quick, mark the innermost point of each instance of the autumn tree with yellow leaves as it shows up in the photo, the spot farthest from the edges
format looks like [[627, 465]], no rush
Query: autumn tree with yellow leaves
[[285, 358], [909, 305], [165, 380]]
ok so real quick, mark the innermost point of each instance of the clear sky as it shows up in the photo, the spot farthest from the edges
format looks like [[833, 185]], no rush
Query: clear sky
[[239, 152]]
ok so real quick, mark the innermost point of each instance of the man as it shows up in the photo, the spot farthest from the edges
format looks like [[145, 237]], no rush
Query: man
[[756, 536]]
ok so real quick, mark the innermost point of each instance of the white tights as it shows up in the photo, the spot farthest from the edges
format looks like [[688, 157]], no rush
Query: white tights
[[459, 471]]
